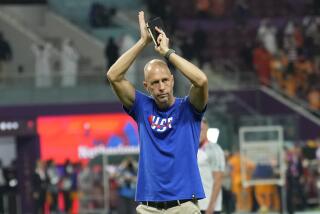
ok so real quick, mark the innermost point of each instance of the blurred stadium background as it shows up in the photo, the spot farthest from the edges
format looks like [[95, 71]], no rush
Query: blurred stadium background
[[67, 145]]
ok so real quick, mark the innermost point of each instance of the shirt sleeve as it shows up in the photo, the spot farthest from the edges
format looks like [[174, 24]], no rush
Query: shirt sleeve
[[217, 159], [134, 110], [195, 112]]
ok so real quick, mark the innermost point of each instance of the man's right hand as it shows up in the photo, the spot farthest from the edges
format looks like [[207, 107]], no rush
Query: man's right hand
[[145, 36]]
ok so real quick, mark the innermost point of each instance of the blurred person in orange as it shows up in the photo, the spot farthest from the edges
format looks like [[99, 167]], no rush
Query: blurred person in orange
[[243, 194]]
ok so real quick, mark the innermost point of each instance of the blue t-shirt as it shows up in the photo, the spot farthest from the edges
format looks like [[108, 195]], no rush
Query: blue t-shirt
[[169, 141]]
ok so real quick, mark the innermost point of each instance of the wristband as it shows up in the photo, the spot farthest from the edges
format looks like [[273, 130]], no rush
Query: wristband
[[168, 53]]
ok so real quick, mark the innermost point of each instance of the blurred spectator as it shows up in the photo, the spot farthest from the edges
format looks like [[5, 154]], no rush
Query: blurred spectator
[[267, 36], [202, 9], [114, 195], [267, 197], [199, 39], [278, 67], [290, 50], [85, 184], [228, 198], [261, 62], [314, 99], [39, 182], [100, 15], [241, 12], [290, 86], [211, 161], [314, 32], [186, 47], [66, 185], [12, 187], [316, 7], [245, 54], [217, 8], [296, 199], [157, 9], [5, 56], [53, 181], [3, 184], [127, 179], [111, 52], [303, 68], [243, 194], [43, 73], [69, 63]]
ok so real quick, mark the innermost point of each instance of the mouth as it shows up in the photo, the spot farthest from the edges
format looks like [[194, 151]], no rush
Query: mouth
[[162, 95]]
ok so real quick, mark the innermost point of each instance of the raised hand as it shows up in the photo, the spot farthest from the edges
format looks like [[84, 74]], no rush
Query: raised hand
[[145, 37], [163, 42]]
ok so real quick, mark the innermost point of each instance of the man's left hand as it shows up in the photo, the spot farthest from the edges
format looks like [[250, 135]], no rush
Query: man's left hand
[[163, 42]]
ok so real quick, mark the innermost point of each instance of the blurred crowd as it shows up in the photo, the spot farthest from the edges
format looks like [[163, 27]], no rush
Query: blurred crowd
[[8, 187], [78, 187], [289, 59], [86, 187], [301, 190]]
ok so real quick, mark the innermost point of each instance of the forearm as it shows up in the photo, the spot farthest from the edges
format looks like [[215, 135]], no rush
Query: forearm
[[216, 188], [119, 68], [189, 70]]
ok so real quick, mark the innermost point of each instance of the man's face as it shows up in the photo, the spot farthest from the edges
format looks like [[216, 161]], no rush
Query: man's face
[[159, 83]]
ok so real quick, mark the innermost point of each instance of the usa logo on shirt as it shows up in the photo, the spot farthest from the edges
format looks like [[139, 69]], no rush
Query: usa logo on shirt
[[160, 124]]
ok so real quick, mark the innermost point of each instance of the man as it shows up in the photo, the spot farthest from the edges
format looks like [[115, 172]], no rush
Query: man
[[169, 127], [211, 163], [5, 56]]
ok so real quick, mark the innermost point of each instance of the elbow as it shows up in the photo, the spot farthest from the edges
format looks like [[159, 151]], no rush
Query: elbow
[[110, 75], [203, 81]]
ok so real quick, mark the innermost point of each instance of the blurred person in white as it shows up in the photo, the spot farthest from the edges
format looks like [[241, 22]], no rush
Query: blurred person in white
[[267, 36], [3, 184], [5, 56], [69, 64], [53, 182], [66, 185], [43, 73], [85, 184], [211, 162], [127, 179], [39, 186]]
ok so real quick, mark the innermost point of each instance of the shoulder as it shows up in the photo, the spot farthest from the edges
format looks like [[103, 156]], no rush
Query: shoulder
[[142, 97], [215, 149]]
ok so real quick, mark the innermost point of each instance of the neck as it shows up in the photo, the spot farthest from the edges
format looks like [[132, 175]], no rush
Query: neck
[[202, 143], [166, 105]]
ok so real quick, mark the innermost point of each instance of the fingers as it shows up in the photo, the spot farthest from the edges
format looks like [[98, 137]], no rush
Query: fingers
[[160, 31], [159, 39], [142, 21]]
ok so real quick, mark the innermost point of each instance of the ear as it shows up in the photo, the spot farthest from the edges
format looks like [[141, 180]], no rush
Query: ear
[[145, 84]]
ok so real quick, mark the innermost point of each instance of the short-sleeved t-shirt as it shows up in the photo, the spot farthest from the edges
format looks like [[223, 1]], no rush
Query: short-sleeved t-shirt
[[169, 141], [210, 159]]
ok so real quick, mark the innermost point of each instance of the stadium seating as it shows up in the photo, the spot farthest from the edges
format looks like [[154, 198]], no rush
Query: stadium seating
[[77, 11]]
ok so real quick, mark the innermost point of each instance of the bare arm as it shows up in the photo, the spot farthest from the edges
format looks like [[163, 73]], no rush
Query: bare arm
[[116, 74], [199, 89], [216, 188]]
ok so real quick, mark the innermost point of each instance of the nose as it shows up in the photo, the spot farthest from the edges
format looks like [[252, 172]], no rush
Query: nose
[[161, 86]]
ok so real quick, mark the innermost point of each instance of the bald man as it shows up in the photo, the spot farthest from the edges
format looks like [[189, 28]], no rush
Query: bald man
[[169, 127]]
